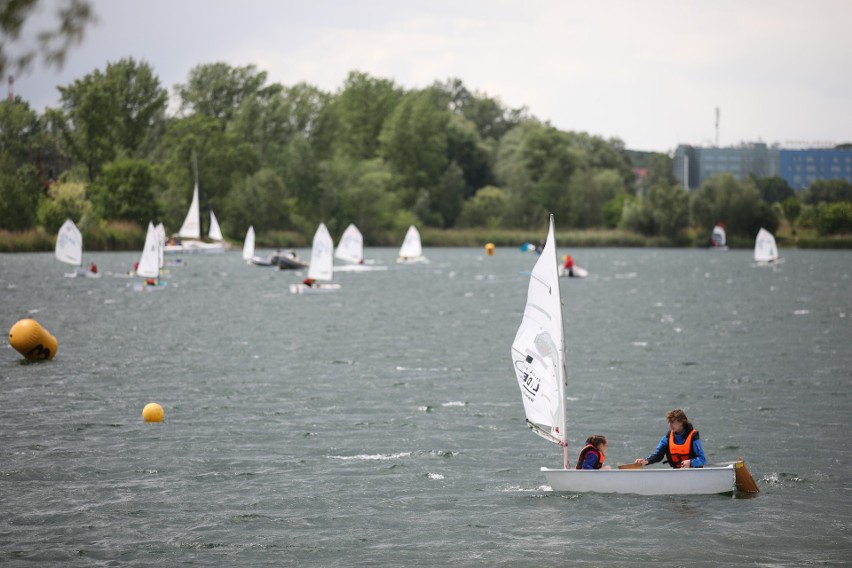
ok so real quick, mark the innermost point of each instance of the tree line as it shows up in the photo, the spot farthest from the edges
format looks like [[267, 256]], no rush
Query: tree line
[[284, 158]]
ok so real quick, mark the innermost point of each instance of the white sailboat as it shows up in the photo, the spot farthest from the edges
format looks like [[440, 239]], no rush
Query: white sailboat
[[718, 238], [248, 251], [189, 235], [765, 249], [350, 249], [149, 262], [538, 357], [69, 249], [411, 252], [321, 268]]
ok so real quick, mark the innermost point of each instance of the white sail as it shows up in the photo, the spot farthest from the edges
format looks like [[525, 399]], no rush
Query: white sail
[[215, 233], [765, 249], [322, 255], [248, 245], [538, 351], [411, 245], [718, 238], [161, 242], [69, 244], [191, 228], [351, 246], [149, 264]]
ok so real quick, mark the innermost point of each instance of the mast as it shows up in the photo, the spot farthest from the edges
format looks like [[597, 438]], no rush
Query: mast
[[563, 379]]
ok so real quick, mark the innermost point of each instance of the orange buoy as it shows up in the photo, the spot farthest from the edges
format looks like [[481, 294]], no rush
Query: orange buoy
[[152, 412], [32, 341], [489, 249]]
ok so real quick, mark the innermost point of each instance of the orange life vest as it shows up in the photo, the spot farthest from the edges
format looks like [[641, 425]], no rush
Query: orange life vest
[[582, 457], [680, 452]]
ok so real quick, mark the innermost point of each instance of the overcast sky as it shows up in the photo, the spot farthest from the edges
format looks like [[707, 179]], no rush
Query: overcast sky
[[651, 73]]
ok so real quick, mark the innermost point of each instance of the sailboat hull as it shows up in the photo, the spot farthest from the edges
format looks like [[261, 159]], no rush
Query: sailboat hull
[[320, 289], [195, 247], [694, 481]]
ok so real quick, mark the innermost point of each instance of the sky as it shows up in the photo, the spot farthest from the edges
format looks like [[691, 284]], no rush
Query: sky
[[649, 72]]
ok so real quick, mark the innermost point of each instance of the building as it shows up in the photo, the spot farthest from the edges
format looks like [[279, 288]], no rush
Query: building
[[803, 167], [693, 165]]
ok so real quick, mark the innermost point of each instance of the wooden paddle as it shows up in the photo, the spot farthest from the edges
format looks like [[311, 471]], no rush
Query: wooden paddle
[[630, 466]]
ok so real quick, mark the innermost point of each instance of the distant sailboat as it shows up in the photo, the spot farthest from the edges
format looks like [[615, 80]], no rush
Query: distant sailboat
[[189, 234], [411, 251], [765, 249], [321, 268], [719, 239], [350, 249], [149, 262], [69, 249]]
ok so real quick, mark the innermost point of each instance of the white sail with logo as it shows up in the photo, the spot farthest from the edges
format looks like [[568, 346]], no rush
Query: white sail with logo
[[765, 249], [69, 244], [161, 242], [411, 251], [322, 256], [719, 239]]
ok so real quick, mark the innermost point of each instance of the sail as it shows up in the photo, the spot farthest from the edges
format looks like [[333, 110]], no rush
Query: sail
[[322, 255], [411, 245], [191, 228], [718, 238], [351, 246], [765, 249], [69, 244], [149, 264], [161, 241], [538, 351], [215, 233], [248, 245]]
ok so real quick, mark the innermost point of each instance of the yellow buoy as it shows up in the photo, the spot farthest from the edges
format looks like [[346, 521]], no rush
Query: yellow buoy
[[152, 412], [489, 249], [32, 341]]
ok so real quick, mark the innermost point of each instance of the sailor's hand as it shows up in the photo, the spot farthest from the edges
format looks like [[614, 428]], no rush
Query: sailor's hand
[[641, 461], [685, 464]]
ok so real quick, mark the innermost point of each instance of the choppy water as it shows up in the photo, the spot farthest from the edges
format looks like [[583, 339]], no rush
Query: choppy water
[[382, 426]]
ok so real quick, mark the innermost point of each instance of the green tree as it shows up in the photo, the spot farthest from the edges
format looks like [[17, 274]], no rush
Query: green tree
[[773, 189], [64, 201], [260, 200], [361, 109], [485, 209], [104, 115], [723, 199], [20, 192], [365, 198], [72, 17], [833, 218], [125, 191], [217, 90], [827, 191], [664, 211], [791, 207]]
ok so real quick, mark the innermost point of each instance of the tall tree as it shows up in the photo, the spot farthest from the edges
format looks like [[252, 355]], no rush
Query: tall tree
[[107, 114], [361, 108], [217, 90]]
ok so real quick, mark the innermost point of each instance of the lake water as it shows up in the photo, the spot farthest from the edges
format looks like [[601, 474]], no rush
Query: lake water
[[382, 425]]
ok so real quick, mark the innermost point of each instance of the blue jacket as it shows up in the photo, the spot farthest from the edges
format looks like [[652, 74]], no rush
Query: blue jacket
[[696, 458]]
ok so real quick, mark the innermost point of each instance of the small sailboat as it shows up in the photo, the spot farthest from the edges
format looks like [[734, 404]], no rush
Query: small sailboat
[[411, 252], [765, 249], [149, 262], [189, 236], [321, 268], [69, 249], [718, 238], [350, 249], [538, 357], [571, 270]]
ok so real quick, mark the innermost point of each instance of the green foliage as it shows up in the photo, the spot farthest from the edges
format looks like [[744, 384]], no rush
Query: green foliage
[[361, 109], [259, 200], [833, 218], [485, 209], [739, 206], [73, 16], [791, 207], [827, 191], [65, 201], [774, 189], [20, 192], [217, 90], [124, 191], [663, 212]]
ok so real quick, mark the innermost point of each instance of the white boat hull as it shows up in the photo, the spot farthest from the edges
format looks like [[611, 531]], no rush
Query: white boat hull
[[194, 247], [321, 289], [413, 260], [577, 272], [668, 481], [358, 268]]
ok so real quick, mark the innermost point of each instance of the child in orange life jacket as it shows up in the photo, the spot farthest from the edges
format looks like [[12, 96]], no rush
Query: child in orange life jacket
[[593, 453], [680, 446]]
